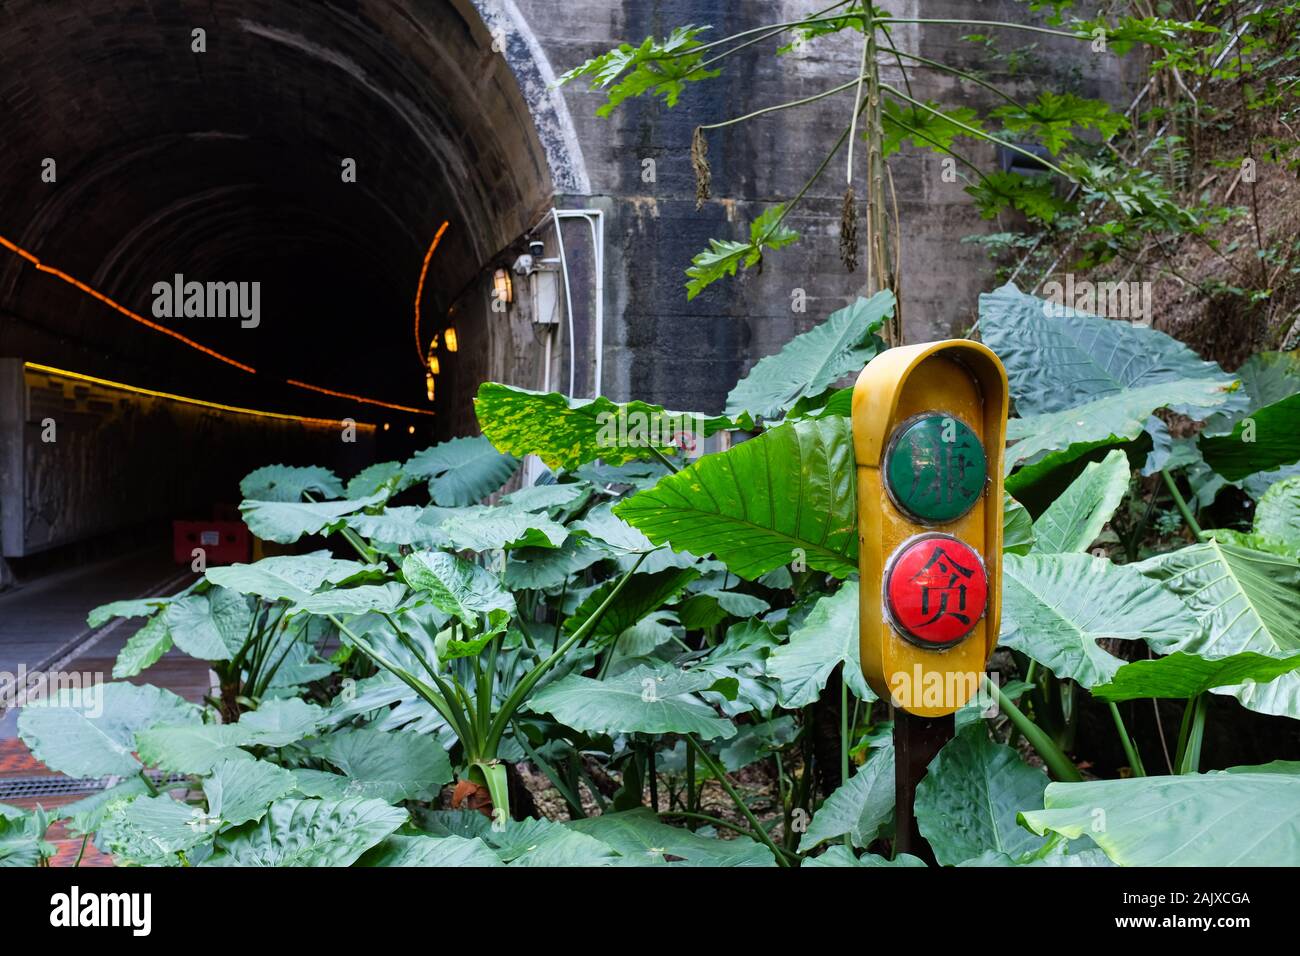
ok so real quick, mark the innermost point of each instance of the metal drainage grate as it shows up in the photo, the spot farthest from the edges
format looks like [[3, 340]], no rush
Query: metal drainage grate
[[30, 788]]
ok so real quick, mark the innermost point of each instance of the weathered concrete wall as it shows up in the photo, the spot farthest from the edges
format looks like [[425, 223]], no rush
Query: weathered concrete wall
[[657, 345], [78, 459]]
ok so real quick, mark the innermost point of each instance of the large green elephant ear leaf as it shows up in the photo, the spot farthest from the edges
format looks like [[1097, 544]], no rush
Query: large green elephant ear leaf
[[1264, 440], [284, 522], [240, 790], [567, 432], [1055, 608], [1277, 517], [827, 639], [462, 471], [309, 833], [288, 483], [787, 496], [1059, 358], [90, 732], [286, 577], [391, 767], [1246, 600], [813, 361], [639, 700], [1017, 527], [1073, 521], [967, 802], [860, 808], [455, 586], [1246, 816], [1185, 676]]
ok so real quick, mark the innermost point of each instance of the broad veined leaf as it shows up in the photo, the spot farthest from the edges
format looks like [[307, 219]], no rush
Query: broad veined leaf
[[90, 732], [288, 483], [278, 723], [641, 595], [308, 833], [191, 748], [742, 656], [754, 742], [838, 855], [1056, 607], [388, 766], [138, 607], [285, 577], [813, 361], [1277, 517], [552, 497], [859, 808], [1243, 817], [1017, 527], [547, 568], [153, 830], [143, 649], [450, 648], [425, 851], [661, 67], [1058, 358], [967, 802], [489, 528], [1246, 600], [639, 700], [546, 843], [239, 790], [455, 586], [640, 837], [1046, 441], [1269, 377], [22, 838], [1265, 439], [462, 471], [610, 532], [827, 639], [210, 626], [385, 476], [286, 521], [1073, 521], [567, 432], [1187, 675], [406, 524], [387, 598], [87, 814], [784, 496]]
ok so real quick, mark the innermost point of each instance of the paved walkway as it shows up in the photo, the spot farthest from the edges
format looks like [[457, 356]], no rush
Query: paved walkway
[[43, 626]]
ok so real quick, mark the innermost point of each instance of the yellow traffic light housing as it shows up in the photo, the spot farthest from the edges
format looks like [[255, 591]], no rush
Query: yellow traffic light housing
[[929, 427]]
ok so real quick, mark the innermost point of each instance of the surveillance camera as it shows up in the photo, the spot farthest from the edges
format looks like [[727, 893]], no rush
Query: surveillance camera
[[523, 265], [536, 247]]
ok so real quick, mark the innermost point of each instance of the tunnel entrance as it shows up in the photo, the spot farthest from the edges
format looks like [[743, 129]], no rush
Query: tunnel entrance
[[313, 149], [333, 156]]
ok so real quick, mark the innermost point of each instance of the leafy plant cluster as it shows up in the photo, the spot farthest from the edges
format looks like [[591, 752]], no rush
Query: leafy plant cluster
[[663, 639]]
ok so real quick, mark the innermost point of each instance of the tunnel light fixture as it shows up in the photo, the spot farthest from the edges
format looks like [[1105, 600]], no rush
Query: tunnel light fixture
[[449, 338], [503, 290], [410, 429], [435, 367], [428, 385]]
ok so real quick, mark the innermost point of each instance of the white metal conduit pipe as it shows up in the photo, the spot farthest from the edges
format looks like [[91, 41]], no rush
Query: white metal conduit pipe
[[595, 219]]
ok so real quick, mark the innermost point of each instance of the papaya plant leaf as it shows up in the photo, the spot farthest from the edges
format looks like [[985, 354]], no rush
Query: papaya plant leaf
[[813, 361], [1246, 816], [1055, 608], [967, 802], [662, 67], [462, 471], [725, 256], [567, 432], [788, 494], [1073, 521]]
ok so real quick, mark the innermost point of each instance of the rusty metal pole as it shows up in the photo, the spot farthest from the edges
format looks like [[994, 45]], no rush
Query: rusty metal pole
[[916, 741]]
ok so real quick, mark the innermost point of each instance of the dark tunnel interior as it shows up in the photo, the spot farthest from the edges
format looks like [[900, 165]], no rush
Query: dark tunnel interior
[[228, 165]]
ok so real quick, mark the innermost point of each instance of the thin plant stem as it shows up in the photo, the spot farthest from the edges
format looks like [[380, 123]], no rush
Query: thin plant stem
[[780, 106], [721, 775], [1180, 502], [1130, 748], [1058, 763]]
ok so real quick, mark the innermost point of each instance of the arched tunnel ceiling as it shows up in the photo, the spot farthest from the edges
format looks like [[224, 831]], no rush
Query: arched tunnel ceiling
[[225, 165]]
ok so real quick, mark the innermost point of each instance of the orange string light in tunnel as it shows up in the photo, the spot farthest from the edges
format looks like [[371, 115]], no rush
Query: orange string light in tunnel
[[233, 409], [95, 294], [419, 287]]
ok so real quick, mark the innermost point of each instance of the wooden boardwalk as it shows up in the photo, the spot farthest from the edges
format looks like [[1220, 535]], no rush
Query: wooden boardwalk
[[43, 627]]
